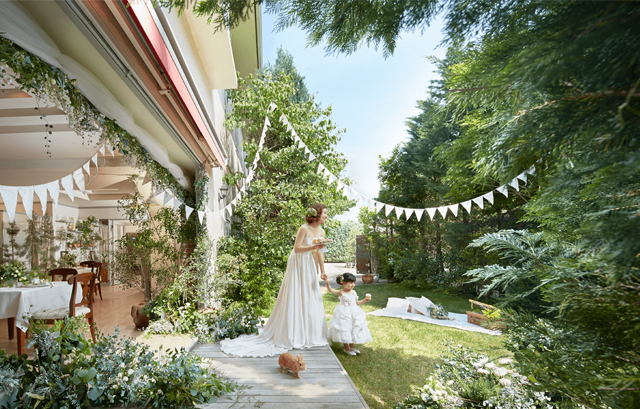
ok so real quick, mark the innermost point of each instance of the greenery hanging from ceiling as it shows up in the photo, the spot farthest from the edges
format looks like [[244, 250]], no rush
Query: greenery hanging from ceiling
[[50, 84]]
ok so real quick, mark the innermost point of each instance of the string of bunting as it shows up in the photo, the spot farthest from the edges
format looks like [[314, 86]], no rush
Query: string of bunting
[[348, 191], [165, 198], [10, 193]]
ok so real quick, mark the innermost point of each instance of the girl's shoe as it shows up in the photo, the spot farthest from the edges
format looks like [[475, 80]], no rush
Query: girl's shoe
[[357, 351], [350, 352]]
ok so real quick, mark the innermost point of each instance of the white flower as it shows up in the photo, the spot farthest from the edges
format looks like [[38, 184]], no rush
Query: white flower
[[500, 372], [483, 371], [130, 371], [125, 379], [482, 361], [505, 361], [490, 365], [504, 382]]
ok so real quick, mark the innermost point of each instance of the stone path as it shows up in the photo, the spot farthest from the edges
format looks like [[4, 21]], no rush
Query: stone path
[[324, 384]]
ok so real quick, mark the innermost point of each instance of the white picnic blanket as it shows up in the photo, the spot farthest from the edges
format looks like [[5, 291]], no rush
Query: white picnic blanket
[[397, 308]]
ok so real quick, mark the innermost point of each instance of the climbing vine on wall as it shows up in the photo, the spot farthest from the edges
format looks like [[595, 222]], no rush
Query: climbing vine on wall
[[50, 84]]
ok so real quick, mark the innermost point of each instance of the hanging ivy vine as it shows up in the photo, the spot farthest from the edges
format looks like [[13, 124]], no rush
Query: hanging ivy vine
[[53, 87]]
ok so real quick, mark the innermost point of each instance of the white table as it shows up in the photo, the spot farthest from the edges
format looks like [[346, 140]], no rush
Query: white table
[[17, 302]]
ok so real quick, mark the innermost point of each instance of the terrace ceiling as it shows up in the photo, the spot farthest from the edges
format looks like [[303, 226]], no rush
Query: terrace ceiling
[[24, 159]]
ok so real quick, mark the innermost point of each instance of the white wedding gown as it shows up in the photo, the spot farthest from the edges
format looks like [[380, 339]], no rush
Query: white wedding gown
[[297, 319]]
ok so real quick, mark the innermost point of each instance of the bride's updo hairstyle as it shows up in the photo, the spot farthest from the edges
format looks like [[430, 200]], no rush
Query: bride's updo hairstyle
[[314, 212], [346, 278]]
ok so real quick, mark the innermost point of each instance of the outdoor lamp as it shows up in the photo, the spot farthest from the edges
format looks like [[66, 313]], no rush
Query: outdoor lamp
[[222, 193]]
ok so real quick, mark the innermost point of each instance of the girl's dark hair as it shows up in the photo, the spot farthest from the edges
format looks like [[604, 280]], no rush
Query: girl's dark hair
[[346, 278], [312, 216]]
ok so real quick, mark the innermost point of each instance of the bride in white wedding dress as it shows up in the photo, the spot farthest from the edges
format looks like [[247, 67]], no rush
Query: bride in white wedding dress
[[297, 319]]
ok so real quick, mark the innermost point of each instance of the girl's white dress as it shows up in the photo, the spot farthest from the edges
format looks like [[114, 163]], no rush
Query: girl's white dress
[[297, 320], [349, 322]]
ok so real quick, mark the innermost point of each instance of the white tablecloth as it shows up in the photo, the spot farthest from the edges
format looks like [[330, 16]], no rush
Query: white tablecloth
[[18, 301]]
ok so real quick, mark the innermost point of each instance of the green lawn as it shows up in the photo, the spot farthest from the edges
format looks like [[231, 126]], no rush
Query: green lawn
[[403, 353]]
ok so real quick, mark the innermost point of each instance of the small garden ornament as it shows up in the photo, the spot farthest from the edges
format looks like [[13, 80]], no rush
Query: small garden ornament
[[293, 363]]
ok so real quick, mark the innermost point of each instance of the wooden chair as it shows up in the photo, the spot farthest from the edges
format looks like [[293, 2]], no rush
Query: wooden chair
[[95, 266], [75, 309], [65, 273]]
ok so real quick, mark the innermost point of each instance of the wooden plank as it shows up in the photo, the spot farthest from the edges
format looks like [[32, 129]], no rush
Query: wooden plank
[[324, 384]]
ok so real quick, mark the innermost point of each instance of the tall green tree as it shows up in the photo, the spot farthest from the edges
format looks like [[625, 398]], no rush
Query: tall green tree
[[284, 66], [285, 184]]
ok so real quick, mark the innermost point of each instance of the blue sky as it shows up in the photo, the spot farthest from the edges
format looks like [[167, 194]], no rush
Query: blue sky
[[371, 97]]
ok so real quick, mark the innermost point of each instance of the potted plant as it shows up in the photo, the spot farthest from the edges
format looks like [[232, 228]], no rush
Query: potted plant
[[148, 259], [88, 233]]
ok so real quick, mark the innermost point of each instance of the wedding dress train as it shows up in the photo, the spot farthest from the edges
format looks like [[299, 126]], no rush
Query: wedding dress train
[[298, 319]]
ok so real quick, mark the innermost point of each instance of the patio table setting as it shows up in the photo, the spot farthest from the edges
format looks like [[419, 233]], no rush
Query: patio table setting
[[18, 302]]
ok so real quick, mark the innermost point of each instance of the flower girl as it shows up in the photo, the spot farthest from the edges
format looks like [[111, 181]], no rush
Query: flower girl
[[348, 324]]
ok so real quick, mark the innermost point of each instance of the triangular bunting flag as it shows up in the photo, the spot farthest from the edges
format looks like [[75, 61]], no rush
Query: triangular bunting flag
[[283, 119], [87, 167], [489, 197], [431, 211], [200, 216], [54, 192], [159, 197], [267, 123], [176, 203], [110, 148], [522, 177], [531, 170], [78, 176], [479, 201], [419, 213], [187, 211], [311, 156], [272, 107], [504, 190], [515, 184], [443, 211], [102, 150], [388, 209], [409, 212], [10, 197], [95, 159], [321, 168], [454, 209], [41, 192], [167, 199], [26, 192], [67, 185], [467, 206]]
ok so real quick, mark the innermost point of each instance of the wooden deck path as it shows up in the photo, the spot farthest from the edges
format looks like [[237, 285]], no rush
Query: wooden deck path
[[324, 384]]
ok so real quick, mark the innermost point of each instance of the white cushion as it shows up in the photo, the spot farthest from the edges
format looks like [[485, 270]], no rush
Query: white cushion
[[59, 313], [397, 305], [420, 305]]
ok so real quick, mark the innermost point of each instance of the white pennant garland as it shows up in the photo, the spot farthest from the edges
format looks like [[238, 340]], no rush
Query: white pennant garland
[[78, 176], [10, 198], [467, 206], [479, 201], [431, 211], [41, 192], [26, 192], [67, 185], [515, 184]]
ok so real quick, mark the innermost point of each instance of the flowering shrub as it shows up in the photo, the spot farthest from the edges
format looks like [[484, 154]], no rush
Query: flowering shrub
[[68, 371], [207, 327], [467, 379], [15, 272]]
